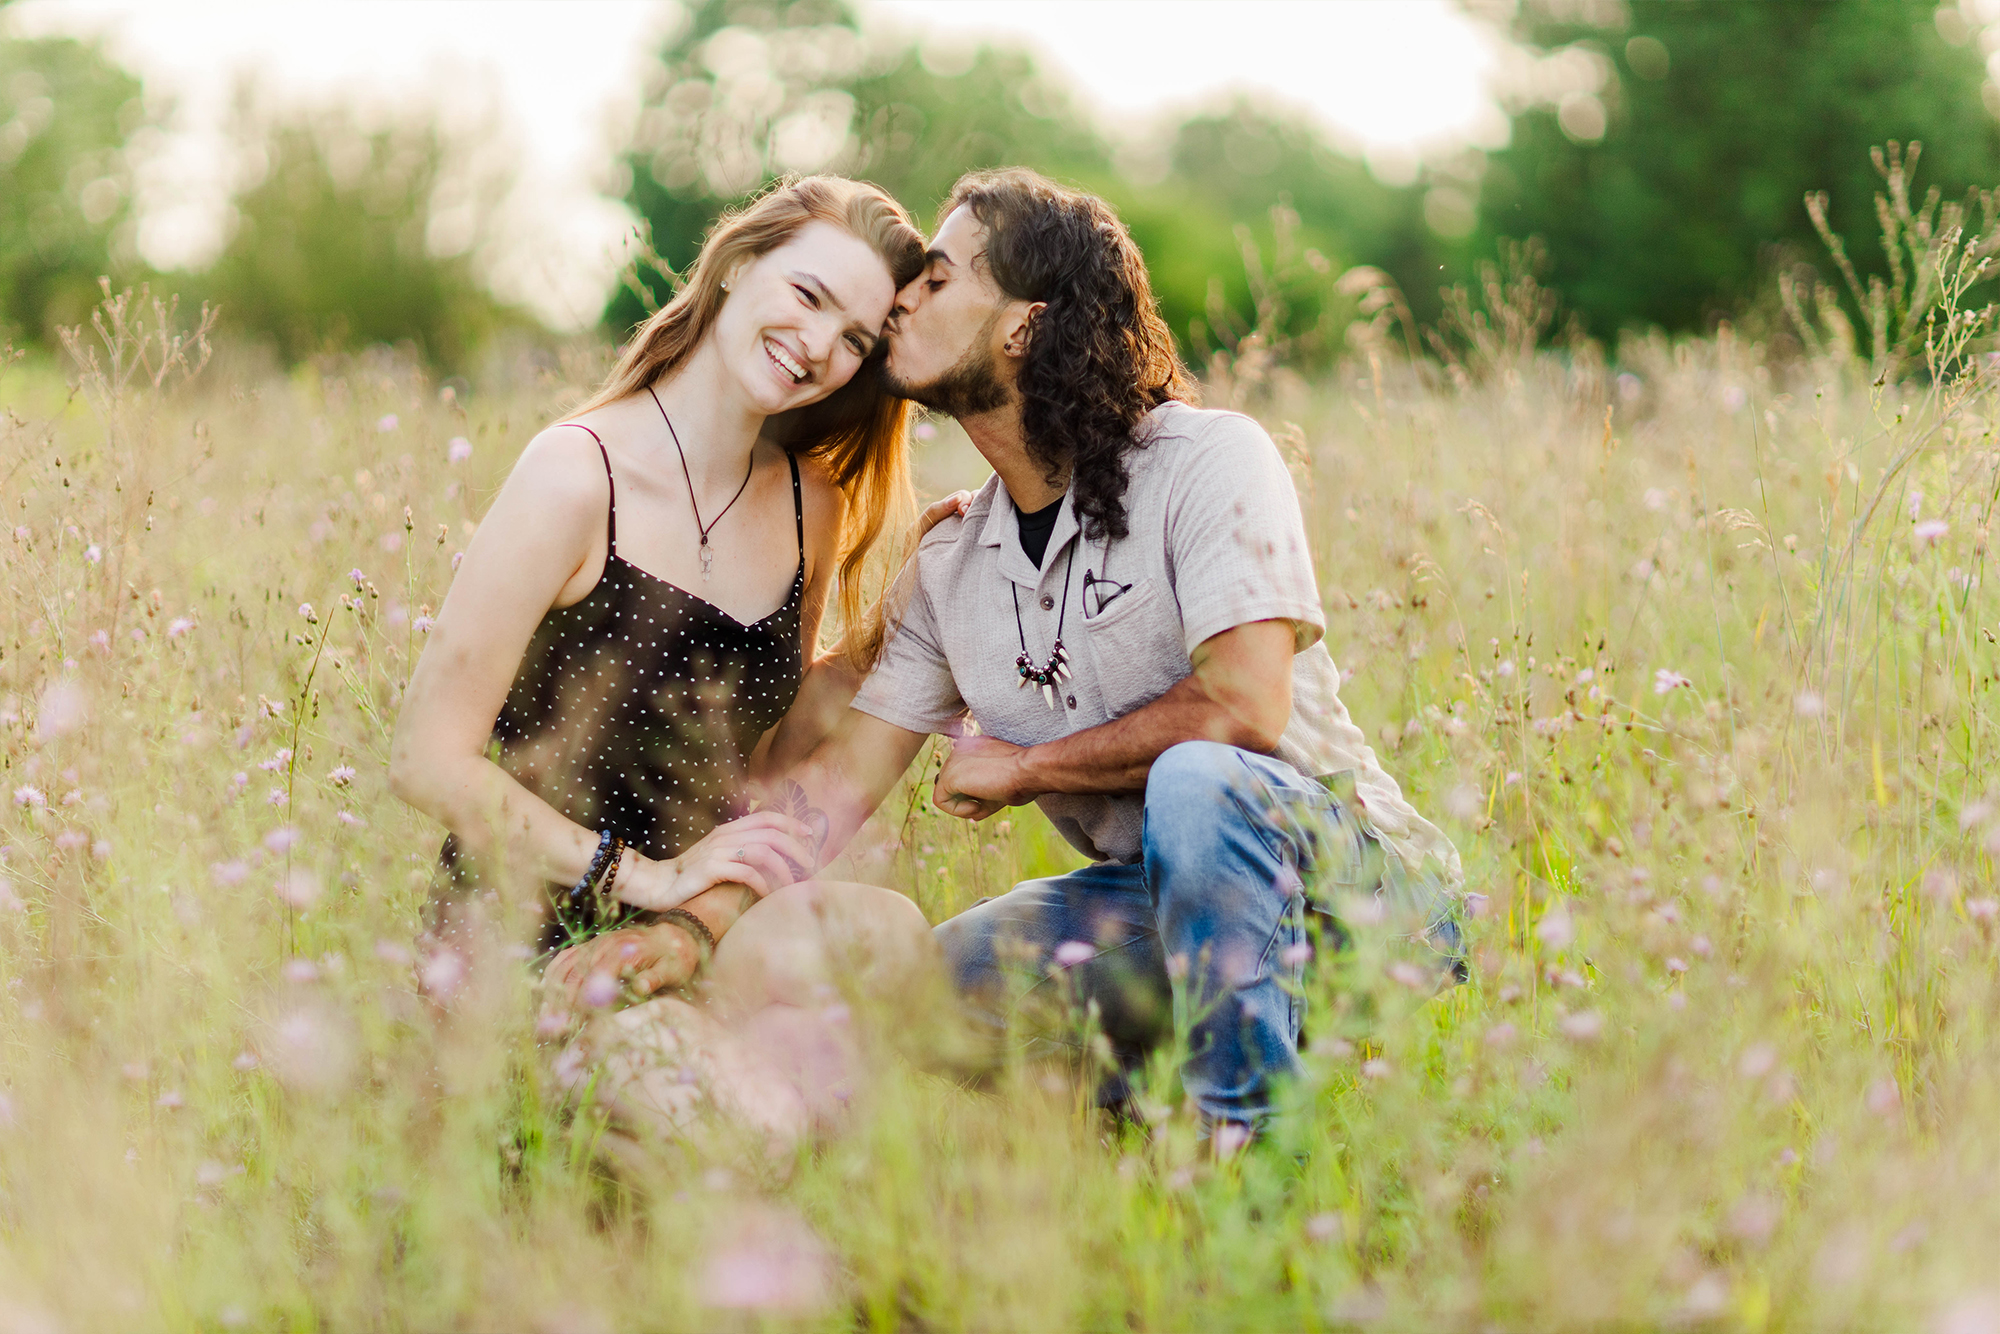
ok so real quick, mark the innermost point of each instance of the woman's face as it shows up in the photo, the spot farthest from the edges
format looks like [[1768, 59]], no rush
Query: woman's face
[[799, 320]]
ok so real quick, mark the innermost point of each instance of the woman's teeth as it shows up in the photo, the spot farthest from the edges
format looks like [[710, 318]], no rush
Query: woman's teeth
[[785, 361]]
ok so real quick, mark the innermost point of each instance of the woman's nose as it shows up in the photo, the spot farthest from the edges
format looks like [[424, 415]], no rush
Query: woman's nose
[[819, 337]]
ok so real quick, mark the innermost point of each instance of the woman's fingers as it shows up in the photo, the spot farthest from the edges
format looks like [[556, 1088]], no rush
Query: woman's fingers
[[770, 869]]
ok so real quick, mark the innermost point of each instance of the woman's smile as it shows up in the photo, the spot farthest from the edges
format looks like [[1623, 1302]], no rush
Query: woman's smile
[[792, 366]]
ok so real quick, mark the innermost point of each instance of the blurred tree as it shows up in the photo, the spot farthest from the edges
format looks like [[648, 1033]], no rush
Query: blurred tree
[[1225, 174], [1671, 142], [66, 113], [334, 245], [747, 90]]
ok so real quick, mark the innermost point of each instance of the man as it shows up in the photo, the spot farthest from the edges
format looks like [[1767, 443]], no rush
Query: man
[[1124, 628]]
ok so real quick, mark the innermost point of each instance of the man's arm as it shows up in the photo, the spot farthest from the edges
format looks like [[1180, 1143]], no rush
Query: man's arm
[[844, 780], [1240, 694]]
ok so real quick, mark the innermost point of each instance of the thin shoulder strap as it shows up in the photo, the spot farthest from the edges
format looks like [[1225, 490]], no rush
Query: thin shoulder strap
[[611, 518], [798, 504]]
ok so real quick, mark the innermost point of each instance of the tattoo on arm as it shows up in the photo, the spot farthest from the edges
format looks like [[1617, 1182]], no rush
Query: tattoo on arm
[[790, 799]]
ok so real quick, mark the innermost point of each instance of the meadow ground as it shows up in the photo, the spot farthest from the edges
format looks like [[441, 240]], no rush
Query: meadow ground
[[1692, 659]]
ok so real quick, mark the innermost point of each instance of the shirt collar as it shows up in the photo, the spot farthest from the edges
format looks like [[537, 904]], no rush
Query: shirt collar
[[1003, 530]]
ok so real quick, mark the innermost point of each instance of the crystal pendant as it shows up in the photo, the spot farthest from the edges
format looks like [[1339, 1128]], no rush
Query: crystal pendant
[[707, 558]]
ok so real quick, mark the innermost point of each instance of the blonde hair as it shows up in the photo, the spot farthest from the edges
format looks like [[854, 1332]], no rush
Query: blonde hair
[[859, 432]]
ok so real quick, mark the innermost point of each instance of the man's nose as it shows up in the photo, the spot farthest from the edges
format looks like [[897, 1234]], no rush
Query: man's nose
[[907, 300]]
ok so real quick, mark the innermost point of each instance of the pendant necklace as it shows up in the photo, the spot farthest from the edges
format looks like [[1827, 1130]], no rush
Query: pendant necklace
[[1056, 670], [707, 551]]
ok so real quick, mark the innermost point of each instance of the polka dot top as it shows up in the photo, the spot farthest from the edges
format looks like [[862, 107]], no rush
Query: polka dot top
[[637, 708]]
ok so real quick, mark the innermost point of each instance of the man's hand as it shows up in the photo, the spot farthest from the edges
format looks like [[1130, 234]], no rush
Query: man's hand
[[981, 775], [646, 958]]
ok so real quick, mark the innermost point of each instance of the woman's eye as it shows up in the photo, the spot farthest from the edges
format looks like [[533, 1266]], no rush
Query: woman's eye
[[806, 295], [860, 348]]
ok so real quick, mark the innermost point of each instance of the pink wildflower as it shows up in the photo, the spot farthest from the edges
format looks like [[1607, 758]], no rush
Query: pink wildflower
[[458, 450], [387, 422], [299, 888], [1073, 952], [341, 775], [1930, 530], [1583, 1026], [1665, 679], [599, 990], [768, 1261]]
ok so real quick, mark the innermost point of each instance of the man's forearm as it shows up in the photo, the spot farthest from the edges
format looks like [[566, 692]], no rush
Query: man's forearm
[[844, 780], [1115, 757]]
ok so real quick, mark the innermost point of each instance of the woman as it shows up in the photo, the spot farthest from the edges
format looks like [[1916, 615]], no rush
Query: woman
[[620, 652]]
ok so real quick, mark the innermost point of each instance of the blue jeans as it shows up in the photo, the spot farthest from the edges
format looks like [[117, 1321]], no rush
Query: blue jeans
[[1205, 934]]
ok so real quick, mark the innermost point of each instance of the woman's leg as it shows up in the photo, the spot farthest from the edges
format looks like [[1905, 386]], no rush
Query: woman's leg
[[813, 943], [659, 1066], [809, 980]]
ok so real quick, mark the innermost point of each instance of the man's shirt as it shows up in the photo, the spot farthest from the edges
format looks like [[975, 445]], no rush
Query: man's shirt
[[1216, 540]]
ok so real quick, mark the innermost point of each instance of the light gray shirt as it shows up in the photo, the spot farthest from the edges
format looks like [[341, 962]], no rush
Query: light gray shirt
[[1216, 540]]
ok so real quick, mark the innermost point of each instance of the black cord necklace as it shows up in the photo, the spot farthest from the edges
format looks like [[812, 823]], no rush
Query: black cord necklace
[[1056, 669], [707, 551]]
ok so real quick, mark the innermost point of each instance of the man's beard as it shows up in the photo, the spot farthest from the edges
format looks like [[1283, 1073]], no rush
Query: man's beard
[[971, 386]]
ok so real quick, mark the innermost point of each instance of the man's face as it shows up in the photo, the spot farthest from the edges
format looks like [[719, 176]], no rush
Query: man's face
[[944, 338]]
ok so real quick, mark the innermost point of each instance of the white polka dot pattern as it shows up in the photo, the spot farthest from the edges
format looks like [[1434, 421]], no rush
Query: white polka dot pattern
[[636, 708]]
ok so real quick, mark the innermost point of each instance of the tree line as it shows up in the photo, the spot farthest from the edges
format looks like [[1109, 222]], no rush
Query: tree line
[[1661, 153]]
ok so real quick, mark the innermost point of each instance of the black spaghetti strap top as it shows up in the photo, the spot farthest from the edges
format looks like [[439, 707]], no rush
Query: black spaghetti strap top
[[636, 709]]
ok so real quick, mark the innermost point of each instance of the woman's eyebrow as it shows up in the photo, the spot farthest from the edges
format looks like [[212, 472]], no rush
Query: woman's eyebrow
[[813, 281]]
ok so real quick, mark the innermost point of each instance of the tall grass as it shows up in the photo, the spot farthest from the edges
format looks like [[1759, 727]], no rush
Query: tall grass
[[1693, 660]]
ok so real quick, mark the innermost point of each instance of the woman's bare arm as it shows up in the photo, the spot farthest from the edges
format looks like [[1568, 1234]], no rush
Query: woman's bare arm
[[541, 545]]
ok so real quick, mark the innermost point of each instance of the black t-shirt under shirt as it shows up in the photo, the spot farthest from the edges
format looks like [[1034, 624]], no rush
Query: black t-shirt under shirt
[[1035, 530]]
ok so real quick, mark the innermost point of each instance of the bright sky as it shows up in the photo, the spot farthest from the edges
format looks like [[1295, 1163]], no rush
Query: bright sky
[[1388, 77]]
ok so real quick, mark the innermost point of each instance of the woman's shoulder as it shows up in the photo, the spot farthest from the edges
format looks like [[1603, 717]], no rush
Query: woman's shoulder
[[825, 503], [563, 466]]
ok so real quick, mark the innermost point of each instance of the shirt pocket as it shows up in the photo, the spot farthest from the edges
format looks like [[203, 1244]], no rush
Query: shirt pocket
[[1135, 647]]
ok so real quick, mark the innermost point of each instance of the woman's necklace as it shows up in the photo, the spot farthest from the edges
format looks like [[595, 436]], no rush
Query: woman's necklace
[[1056, 669], [707, 551]]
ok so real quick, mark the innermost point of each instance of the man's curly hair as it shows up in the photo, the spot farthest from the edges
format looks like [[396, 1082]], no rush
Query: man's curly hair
[[1099, 356]]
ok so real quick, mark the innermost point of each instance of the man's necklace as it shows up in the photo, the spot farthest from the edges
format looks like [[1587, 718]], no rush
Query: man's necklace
[[1056, 669], [707, 551]]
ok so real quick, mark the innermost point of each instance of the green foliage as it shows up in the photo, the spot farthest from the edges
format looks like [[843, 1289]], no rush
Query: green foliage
[[1227, 171], [66, 113], [1717, 121], [747, 90], [331, 249]]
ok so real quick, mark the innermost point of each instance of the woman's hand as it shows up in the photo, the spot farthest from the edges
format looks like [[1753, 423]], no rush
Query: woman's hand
[[764, 851], [646, 958], [936, 513]]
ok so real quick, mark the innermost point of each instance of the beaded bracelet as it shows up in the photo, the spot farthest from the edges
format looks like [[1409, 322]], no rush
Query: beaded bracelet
[[610, 849], [704, 939]]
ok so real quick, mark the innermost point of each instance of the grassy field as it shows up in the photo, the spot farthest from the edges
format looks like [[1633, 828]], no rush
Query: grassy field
[[1692, 657]]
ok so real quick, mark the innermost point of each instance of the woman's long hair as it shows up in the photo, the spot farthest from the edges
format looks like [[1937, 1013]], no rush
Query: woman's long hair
[[860, 431]]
